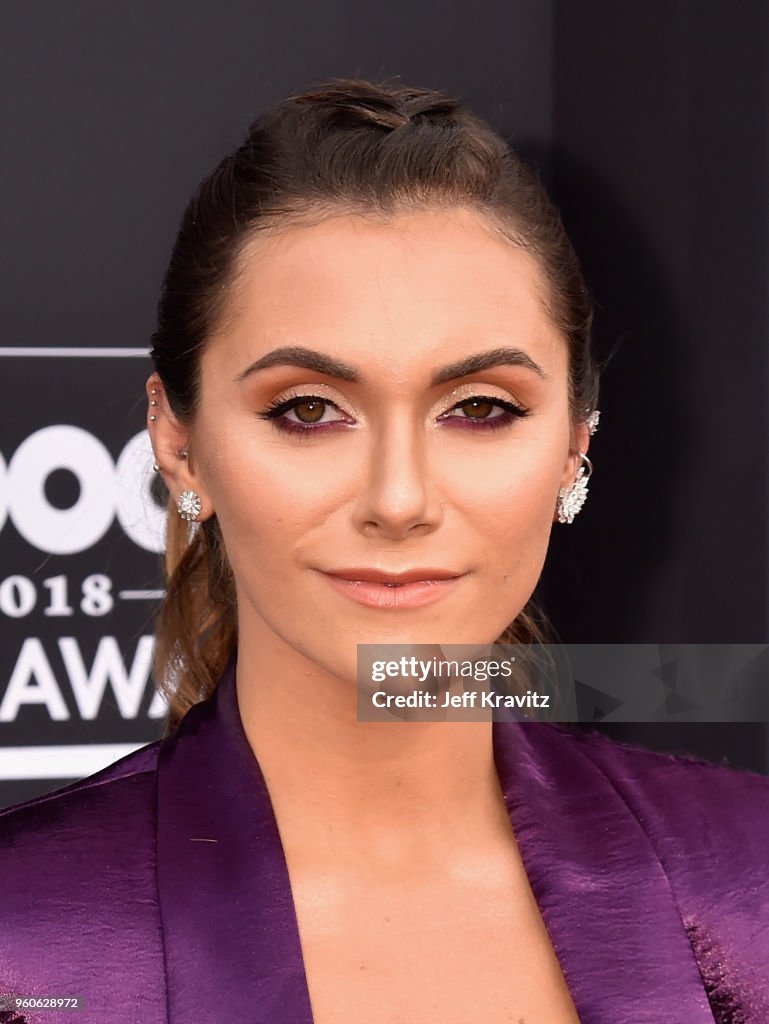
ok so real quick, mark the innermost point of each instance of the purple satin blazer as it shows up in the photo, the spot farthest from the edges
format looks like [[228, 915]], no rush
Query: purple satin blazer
[[157, 889]]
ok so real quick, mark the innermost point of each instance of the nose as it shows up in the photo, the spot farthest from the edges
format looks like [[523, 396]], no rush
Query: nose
[[398, 495]]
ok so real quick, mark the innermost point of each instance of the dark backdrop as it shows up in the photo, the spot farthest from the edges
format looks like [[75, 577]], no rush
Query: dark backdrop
[[660, 163], [649, 124]]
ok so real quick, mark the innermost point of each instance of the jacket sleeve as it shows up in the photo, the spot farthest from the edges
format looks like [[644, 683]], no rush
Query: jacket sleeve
[[709, 825], [79, 916]]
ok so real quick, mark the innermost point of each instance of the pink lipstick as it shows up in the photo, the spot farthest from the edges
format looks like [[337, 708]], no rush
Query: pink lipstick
[[377, 588]]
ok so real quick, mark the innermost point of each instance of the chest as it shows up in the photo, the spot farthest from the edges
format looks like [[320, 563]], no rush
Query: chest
[[462, 947]]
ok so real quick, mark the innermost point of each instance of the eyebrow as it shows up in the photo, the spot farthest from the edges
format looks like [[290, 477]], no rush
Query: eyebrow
[[311, 359]]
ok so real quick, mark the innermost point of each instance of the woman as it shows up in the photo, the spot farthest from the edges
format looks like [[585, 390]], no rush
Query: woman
[[372, 368]]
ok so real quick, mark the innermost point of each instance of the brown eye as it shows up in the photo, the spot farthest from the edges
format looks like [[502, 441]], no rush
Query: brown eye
[[480, 407], [315, 407], [482, 412], [303, 414]]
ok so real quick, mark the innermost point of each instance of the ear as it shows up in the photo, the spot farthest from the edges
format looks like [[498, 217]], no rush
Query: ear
[[170, 439], [579, 442]]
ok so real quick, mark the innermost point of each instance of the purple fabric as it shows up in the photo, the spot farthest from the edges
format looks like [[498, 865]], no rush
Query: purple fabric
[[157, 889]]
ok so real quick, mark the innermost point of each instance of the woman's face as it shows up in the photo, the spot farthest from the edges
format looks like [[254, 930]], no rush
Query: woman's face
[[398, 454]]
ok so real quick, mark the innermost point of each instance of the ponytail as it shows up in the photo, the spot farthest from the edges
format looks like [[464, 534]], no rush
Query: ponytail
[[196, 628]]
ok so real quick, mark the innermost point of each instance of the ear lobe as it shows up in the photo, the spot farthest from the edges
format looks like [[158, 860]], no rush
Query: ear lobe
[[170, 439]]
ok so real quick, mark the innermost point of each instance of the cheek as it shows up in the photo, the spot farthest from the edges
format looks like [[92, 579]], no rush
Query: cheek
[[266, 500], [513, 513], [516, 495]]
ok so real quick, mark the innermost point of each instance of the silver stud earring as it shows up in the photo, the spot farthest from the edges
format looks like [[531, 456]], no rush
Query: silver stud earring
[[156, 467], [188, 505], [571, 499], [592, 421]]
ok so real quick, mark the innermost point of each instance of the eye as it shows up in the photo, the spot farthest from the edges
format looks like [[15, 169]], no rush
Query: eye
[[306, 414], [308, 409], [481, 416]]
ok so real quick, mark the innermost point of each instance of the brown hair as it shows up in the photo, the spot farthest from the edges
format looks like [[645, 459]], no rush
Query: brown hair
[[351, 146]]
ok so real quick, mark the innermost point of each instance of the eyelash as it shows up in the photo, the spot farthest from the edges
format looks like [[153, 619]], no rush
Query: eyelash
[[275, 410]]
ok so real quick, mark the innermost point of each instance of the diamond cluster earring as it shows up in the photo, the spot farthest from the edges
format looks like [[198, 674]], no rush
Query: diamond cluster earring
[[571, 499], [188, 505]]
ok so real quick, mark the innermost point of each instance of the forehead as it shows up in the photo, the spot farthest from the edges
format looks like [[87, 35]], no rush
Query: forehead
[[426, 285]]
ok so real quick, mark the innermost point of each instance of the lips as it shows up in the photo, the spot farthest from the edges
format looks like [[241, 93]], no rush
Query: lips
[[366, 574], [394, 591]]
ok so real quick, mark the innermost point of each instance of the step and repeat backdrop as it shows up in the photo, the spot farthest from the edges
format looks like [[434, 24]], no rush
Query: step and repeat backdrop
[[113, 113], [82, 526]]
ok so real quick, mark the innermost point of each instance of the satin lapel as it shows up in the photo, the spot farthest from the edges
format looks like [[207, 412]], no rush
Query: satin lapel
[[600, 887], [231, 938]]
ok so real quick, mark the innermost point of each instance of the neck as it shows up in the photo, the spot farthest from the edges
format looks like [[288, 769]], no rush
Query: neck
[[384, 787]]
